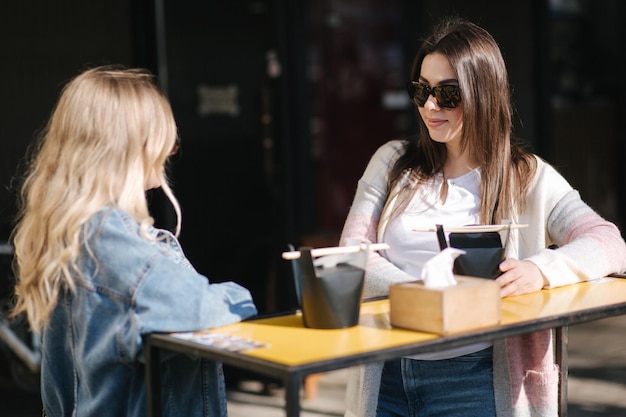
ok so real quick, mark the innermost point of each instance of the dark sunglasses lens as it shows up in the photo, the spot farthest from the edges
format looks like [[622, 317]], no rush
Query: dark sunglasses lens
[[419, 93], [448, 96]]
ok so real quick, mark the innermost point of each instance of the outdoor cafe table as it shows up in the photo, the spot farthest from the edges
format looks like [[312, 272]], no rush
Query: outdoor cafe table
[[290, 351]]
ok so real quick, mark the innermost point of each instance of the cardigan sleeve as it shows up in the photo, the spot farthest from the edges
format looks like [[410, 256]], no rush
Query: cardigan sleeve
[[589, 246], [364, 215]]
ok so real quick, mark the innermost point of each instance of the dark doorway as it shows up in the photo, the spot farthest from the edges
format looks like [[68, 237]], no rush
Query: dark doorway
[[222, 69]]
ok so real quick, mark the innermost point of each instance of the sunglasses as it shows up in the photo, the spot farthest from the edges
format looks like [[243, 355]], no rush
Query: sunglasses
[[446, 96]]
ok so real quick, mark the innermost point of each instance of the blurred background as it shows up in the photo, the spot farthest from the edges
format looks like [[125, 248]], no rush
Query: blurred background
[[281, 103]]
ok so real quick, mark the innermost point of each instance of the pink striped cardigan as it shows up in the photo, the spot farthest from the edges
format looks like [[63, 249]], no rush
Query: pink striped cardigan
[[525, 373]]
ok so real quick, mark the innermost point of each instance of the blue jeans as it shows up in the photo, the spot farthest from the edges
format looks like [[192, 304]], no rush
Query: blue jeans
[[461, 386]]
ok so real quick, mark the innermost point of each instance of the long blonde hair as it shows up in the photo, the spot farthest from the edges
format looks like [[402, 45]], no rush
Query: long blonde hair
[[110, 130]]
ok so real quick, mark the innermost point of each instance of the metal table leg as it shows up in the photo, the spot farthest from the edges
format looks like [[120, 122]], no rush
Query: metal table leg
[[153, 381], [561, 342], [292, 395]]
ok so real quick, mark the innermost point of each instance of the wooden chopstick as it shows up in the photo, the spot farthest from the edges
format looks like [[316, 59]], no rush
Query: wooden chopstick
[[474, 229], [336, 250]]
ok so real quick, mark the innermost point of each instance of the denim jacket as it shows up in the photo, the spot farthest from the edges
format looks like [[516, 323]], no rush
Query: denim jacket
[[128, 287]]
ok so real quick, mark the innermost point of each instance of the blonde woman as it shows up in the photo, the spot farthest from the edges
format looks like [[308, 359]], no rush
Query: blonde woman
[[94, 275]]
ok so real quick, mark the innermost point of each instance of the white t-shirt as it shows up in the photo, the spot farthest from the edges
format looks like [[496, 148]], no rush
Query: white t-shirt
[[409, 250]]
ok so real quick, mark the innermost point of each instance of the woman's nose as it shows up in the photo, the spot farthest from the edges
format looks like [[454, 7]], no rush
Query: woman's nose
[[431, 101]]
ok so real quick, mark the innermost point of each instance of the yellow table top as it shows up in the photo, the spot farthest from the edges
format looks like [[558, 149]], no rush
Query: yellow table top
[[289, 343]]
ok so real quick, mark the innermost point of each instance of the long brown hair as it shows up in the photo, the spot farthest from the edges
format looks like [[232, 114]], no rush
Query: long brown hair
[[506, 167]]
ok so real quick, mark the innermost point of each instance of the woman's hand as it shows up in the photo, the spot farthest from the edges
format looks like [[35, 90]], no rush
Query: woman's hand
[[519, 277]]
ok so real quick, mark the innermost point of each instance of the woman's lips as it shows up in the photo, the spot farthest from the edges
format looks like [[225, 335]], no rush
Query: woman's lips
[[435, 122]]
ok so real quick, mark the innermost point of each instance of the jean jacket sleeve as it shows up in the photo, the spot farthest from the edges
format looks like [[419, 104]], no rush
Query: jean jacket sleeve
[[154, 288]]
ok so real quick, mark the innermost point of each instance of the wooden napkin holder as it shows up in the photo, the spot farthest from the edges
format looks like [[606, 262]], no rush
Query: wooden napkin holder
[[471, 304]]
